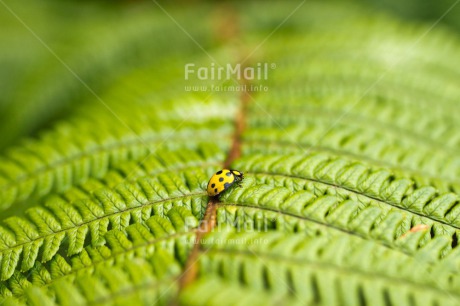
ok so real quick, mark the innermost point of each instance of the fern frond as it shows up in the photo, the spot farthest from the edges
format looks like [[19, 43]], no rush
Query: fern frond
[[139, 281], [262, 208], [39, 168], [323, 174], [342, 271], [362, 143], [64, 225], [172, 234], [204, 159]]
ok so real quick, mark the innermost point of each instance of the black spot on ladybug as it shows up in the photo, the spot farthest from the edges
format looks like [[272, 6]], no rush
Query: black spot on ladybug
[[219, 172], [213, 185], [215, 190], [228, 174], [226, 185], [221, 179]]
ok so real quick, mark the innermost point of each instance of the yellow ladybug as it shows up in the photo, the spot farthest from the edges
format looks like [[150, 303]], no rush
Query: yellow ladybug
[[222, 180]]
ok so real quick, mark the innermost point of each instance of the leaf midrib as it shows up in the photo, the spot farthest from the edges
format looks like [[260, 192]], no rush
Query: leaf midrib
[[359, 157], [136, 288], [115, 254], [103, 217], [359, 121], [68, 160], [372, 198], [324, 224]]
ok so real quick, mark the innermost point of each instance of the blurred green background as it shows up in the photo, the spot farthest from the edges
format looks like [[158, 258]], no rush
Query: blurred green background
[[56, 55]]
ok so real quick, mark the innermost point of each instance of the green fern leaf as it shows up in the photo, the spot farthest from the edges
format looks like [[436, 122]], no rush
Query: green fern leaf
[[350, 157], [91, 217]]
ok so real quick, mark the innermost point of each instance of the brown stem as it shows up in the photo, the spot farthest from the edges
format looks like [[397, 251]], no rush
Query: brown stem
[[210, 218], [206, 225], [240, 123]]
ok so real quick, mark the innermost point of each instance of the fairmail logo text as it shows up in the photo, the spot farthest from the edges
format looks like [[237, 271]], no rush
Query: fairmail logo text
[[228, 72]]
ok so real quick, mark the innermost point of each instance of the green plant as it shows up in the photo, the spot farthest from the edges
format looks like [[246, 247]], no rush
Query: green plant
[[351, 189]]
